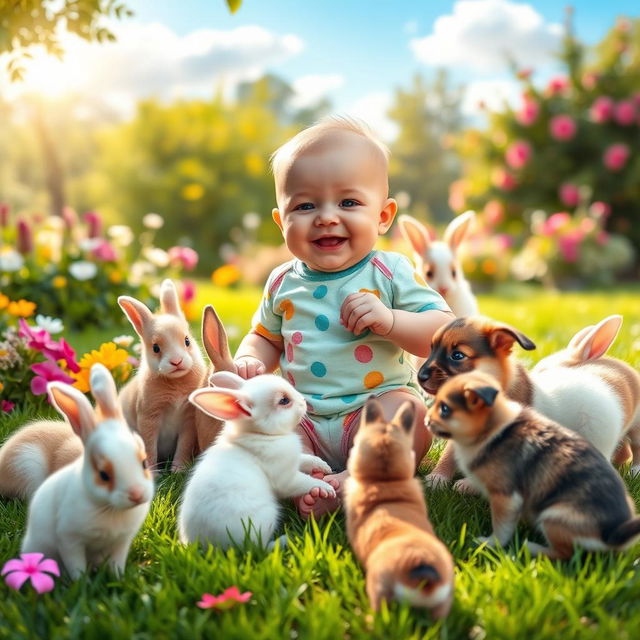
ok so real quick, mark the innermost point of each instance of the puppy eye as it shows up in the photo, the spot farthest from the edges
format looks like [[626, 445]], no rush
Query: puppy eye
[[156, 347], [187, 342], [104, 476], [284, 401], [445, 410], [457, 355]]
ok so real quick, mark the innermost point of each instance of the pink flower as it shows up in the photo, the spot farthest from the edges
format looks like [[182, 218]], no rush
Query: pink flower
[[94, 224], [590, 80], [562, 127], [529, 112], [602, 109], [31, 566], [6, 406], [600, 210], [47, 372], [504, 241], [557, 85], [555, 222], [524, 74], [625, 113], [105, 252], [4, 214], [40, 340], [70, 217], [568, 245], [183, 257], [230, 598], [62, 350], [569, 194], [615, 156], [518, 154], [24, 241], [188, 290], [504, 180], [494, 212], [587, 225]]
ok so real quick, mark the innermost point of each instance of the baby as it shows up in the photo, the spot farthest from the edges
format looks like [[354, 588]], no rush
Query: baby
[[338, 317]]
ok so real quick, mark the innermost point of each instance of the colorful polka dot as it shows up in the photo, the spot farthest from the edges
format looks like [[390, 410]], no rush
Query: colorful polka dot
[[296, 338], [363, 353], [289, 352], [322, 322], [320, 292], [287, 309], [348, 399], [318, 369], [373, 379], [375, 292], [291, 379]]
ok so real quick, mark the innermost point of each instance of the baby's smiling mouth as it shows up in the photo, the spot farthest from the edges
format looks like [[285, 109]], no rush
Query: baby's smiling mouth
[[329, 242]]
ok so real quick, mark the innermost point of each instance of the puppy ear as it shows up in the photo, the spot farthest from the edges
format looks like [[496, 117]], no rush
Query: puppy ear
[[479, 397], [501, 338], [405, 416], [372, 411]]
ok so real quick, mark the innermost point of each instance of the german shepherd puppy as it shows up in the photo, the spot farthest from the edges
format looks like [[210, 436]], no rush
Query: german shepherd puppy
[[596, 396], [387, 520], [531, 467]]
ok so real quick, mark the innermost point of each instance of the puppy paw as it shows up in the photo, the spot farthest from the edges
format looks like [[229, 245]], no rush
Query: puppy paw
[[466, 486], [436, 481]]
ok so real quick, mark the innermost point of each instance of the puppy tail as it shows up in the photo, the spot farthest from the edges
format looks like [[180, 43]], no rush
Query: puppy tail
[[624, 534]]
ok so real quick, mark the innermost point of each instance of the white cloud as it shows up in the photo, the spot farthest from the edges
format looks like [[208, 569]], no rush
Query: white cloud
[[309, 90], [152, 60], [483, 34], [373, 108]]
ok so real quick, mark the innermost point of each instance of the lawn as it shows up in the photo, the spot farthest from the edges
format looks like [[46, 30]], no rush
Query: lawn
[[314, 588]]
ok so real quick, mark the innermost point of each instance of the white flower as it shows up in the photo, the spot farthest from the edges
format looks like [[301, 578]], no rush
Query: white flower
[[89, 244], [153, 221], [83, 270], [156, 256], [10, 260], [54, 223], [123, 341], [52, 325], [138, 271], [121, 234], [251, 221], [137, 348]]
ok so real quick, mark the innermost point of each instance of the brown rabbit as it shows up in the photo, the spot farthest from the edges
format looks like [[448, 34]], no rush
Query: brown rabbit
[[214, 339], [155, 402], [387, 520]]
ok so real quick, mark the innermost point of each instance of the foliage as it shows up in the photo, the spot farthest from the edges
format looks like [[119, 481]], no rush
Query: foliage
[[76, 270], [26, 23], [422, 161], [570, 146], [315, 588]]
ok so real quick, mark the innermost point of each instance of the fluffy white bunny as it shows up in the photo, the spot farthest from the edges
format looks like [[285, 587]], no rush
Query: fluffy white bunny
[[437, 262], [155, 402], [256, 460], [90, 510]]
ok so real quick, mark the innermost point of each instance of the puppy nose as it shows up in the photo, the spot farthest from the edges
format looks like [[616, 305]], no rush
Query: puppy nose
[[136, 495], [424, 374], [176, 361]]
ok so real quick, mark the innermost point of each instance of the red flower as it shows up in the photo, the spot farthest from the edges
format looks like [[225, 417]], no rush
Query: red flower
[[518, 154], [47, 372], [602, 109], [562, 127], [625, 113], [569, 194], [226, 600], [616, 156]]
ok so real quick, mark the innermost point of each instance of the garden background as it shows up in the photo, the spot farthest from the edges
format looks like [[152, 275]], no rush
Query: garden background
[[143, 153]]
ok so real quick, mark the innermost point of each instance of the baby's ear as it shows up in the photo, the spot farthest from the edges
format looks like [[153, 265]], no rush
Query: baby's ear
[[275, 214], [387, 215]]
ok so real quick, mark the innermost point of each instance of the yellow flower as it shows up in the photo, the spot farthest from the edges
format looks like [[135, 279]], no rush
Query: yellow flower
[[109, 355], [22, 308], [1, 387], [4, 301], [225, 275], [115, 277], [59, 282], [192, 191]]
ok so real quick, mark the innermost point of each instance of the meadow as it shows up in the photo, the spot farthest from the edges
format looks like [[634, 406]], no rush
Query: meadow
[[314, 587]]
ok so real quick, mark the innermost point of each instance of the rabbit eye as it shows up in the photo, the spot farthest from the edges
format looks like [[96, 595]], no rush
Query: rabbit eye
[[445, 410], [429, 273], [453, 273], [104, 476], [187, 342], [156, 347], [144, 464], [284, 400], [457, 355]]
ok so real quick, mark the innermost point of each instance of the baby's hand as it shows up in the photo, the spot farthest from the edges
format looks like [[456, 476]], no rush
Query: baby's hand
[[364, 310], [248, 367]]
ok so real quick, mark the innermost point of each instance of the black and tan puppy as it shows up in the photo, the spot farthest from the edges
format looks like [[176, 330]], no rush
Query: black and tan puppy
[[387, 520], [531, 467]]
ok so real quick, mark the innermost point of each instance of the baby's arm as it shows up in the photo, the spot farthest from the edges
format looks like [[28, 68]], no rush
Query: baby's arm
[[256, 355]]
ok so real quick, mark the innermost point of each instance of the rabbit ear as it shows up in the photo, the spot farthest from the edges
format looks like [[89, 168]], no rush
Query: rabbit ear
[[405, 415], [137, 312], [169, 302], [226, 404], [226, 380], [458, 229], [73, 405], [415, 233], [593, 342], [214, 338], [104, 391], [372, 412]]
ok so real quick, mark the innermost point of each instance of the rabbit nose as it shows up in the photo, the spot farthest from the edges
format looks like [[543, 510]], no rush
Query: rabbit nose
[[136, 495], [424, 374], [176, 362], [443, 291]]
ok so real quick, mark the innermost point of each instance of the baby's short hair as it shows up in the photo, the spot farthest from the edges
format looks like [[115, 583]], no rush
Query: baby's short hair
[[308, 136]]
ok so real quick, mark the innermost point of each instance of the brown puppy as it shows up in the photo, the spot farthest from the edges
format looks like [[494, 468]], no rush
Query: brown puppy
[[387, 520], [606, 390], [531, 467]]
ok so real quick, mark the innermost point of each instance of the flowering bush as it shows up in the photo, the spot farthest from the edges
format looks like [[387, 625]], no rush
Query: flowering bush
[[75, 270], [570, 143]]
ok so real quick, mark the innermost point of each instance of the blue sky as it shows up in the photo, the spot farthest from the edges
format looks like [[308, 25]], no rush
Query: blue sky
[[355, 52]]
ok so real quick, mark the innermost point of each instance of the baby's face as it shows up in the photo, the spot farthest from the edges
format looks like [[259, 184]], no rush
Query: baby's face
[[332, 201]]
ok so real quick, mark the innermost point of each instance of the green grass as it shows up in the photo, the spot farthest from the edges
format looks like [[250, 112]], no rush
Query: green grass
[[314, 588]]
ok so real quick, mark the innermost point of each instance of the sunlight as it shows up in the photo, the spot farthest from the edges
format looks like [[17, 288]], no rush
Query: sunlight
[[47, 75]]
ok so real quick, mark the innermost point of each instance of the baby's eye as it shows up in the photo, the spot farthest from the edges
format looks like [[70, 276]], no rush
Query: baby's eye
[[457, 355], [348, 203], [305, 206], [445, 410], [156, 347], [284, 400]]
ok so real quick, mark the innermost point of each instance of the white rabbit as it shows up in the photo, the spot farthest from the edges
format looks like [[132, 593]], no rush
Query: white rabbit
[[256, 460], [90, 510], [214, 339], [437, 262], [155, 402]]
